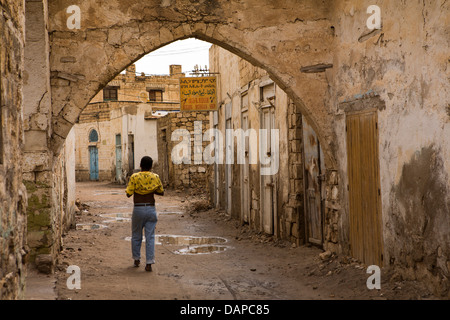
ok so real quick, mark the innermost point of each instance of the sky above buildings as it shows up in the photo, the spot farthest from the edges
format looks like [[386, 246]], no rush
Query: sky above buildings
[[188, 53]]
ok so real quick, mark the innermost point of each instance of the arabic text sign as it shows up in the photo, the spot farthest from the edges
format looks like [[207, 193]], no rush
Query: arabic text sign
[[198, 94]]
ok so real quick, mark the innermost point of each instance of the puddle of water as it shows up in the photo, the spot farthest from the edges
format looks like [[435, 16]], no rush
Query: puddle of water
[[99, 193], [187, 240], [204, 249], [170, 212], [89, 226], [195, 245], [104, 205], [124, 215], [116, 217], [117, 220], [184, 240], [163, 206]]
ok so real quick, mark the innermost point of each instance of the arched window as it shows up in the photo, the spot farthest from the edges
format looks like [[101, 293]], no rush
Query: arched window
[[93, 136]]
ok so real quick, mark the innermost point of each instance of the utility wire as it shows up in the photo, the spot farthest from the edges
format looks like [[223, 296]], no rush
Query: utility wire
[[175, 52]]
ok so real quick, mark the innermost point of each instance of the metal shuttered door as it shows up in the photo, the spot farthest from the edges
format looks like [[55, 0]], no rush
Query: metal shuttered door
[[364, 187]]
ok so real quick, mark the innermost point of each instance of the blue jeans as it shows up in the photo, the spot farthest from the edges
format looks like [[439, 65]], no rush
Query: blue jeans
[[143, 218]]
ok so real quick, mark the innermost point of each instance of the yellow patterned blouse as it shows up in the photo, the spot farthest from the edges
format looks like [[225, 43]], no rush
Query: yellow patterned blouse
[[144, 182]]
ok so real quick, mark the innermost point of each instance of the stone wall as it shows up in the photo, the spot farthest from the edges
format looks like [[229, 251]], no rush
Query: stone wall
[[135, 86], [48, 176], [13, 244], [402, 70], [241, 91], [187, 174], [294, 210]]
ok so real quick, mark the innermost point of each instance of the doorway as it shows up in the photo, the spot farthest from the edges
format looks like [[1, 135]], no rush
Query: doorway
[[364, 186], [314, 169], [131, 153], [230, 155], [245, 170], [93, 163], [217, 151], [268, 183], [268, 196], [118, 158], [164, 157]]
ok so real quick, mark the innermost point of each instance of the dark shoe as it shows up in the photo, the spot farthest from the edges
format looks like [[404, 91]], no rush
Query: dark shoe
[[148, 267], [136, 263]]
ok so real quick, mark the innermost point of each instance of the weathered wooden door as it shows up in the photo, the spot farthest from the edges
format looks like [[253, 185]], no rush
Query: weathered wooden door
[[245, 173], [217, 151], [131, 153], [164, 157], [364, 187], [267, 181], [228, 168], [93, 163], [118, 157], [314, 170]]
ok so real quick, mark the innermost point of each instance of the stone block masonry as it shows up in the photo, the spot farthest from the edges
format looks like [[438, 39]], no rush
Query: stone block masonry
[[181, 175], [47, 175], [294, 213], [13, 247]]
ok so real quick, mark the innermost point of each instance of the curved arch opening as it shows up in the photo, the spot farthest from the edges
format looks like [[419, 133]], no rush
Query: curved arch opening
[[93, 136], [283, 81], [257, 99]]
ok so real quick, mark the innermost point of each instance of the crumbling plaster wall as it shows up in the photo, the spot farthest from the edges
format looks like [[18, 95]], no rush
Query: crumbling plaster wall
[[403, 70]]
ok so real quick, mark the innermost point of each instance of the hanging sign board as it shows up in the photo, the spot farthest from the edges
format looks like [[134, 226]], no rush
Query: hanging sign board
[[198, 94]]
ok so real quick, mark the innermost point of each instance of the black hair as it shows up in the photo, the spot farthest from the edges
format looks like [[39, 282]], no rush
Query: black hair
[[146, 163]]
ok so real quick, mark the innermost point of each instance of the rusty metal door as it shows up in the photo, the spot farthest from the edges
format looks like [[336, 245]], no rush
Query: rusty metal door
[[314, 170], [364, 187]]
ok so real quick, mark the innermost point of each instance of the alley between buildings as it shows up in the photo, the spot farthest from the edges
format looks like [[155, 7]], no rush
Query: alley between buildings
[[232, 262]]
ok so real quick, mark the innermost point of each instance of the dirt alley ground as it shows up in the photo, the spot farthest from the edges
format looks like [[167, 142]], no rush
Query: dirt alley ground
[[253, 267]]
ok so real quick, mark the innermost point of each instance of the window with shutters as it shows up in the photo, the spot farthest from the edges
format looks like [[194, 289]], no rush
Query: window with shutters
[[155, 95], [110, 94]]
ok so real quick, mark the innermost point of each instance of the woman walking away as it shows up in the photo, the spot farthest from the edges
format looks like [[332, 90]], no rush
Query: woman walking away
[[144, 185]]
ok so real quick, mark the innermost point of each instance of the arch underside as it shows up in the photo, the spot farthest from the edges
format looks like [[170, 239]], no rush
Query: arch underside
[[84, 61]]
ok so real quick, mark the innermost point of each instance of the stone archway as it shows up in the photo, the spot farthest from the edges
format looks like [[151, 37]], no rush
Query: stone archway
[[292, 41], [281, 41]]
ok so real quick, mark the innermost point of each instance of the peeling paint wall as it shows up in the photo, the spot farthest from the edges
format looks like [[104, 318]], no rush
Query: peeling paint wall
[[403, 71]]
